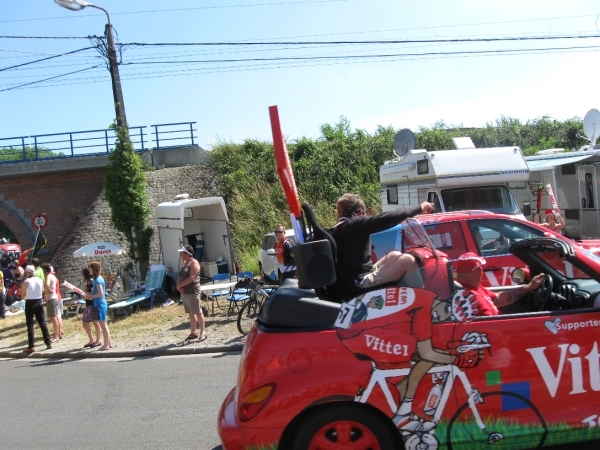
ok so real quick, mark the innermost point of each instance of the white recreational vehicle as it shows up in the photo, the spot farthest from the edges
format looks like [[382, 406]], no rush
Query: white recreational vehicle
[[453, 180], [574, 178], [201, 223]]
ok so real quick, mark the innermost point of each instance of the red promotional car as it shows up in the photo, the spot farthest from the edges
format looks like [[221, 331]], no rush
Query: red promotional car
[[407, 365], [480, 232]]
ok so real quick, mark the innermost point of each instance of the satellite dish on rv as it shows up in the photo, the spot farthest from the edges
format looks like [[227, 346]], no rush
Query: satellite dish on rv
[[591, 125], [404, 142]]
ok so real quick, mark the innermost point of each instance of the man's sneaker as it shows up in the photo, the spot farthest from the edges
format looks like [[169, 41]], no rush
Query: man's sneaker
[[29, 350]]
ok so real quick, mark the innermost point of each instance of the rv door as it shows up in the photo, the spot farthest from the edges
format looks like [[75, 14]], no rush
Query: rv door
[[588, 194]]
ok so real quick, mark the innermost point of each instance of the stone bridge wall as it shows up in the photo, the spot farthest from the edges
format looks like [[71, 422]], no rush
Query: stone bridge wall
[[196, 180]]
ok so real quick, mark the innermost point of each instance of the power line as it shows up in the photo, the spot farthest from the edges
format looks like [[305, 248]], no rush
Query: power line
[[293, 58], [320, 61], [279, 65], [45, 37], [45, 59], [377, 42], [46, 79]]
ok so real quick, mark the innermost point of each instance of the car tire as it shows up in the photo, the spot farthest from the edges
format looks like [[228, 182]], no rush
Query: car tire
[[335, 425]]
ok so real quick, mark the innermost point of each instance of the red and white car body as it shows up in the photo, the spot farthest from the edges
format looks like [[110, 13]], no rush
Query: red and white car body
[[316, 374]]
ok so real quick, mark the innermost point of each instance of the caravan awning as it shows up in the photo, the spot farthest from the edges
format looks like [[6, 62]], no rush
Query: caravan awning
[[551, 163]]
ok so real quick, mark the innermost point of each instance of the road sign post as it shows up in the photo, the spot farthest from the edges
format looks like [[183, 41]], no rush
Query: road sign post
[[39, 221]]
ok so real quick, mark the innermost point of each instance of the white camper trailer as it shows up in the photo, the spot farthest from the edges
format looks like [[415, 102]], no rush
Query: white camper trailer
[[201, 223], [453, 180]]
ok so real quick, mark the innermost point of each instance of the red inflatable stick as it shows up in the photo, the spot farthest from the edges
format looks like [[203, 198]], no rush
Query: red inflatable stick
[[284, 168]]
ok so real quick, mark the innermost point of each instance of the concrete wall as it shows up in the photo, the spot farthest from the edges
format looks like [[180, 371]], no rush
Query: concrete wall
[[158, 158], [175, 157]]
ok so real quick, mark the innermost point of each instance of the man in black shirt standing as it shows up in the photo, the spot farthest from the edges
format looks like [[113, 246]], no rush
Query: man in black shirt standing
[[352, 235]]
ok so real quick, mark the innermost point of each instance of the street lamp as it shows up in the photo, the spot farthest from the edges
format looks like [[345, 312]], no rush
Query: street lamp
[[77, 5]]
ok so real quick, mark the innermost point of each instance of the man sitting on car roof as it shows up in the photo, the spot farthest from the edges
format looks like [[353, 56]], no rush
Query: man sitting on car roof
[[352, 235], [469, 273]]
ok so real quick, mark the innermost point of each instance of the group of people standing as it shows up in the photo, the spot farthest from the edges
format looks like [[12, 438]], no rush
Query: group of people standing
[[40, 289]]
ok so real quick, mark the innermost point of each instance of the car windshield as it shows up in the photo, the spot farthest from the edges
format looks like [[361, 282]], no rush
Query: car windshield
[[487, 232], [568, 269], [496, 199]]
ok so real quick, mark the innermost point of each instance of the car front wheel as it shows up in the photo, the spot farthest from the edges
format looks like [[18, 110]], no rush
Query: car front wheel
[[344, 427]]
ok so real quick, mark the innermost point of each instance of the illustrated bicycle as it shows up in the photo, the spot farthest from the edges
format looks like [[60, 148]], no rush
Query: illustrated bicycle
[[249, 311], [466, 425]]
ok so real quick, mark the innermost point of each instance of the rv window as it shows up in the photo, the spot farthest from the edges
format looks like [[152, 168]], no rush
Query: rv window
[[572, 214], [567, 169], [422, 166], [187, 213], [589, 190], [392, 194], [495, 199]]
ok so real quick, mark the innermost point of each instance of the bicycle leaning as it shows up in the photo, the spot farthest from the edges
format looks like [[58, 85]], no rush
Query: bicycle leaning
[[249, 311]]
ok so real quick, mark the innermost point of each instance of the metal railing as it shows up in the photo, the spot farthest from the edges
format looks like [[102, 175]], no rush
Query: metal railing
[[91, 142], [180, 134]]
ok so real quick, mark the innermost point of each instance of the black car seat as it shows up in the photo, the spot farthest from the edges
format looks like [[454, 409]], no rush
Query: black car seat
[[315, 273]]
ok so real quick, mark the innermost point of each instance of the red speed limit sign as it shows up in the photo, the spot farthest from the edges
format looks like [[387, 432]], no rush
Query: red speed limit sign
[[39, 220]]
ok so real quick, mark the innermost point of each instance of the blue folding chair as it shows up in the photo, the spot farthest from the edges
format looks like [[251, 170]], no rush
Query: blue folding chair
[[239, 294], [241, 276], [214, 296]]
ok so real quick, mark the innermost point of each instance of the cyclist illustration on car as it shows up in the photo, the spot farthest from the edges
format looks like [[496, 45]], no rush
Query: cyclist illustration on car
[[392, 327]]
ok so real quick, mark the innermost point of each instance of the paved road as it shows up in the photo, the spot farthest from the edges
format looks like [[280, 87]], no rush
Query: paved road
[[144, 403], [133, 403]]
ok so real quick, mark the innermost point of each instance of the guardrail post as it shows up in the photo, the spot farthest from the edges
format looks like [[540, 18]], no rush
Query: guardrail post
[[142, 137], [35, 146], [23, 146], [192, 132], [71, 142], [156, 134], [106, 140]]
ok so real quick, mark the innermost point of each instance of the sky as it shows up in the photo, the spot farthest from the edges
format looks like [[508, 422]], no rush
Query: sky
[[374, 62]]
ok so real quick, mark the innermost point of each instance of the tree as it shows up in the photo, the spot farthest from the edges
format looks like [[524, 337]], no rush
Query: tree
[[125, 191]]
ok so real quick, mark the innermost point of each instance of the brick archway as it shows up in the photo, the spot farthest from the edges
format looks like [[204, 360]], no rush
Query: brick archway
[[15, 221]]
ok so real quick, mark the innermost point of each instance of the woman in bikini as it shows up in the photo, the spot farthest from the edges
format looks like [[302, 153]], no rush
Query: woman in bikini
[[554, 221]]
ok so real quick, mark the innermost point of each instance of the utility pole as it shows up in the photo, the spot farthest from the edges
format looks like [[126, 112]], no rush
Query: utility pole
[[114, 76], [113, 66]]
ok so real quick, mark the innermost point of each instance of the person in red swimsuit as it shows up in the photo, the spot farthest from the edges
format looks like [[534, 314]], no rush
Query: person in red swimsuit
[[469, 273]]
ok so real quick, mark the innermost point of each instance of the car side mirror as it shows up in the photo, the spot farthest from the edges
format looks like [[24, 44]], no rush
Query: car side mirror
[[271, 252], [518, 276], [526, 209]]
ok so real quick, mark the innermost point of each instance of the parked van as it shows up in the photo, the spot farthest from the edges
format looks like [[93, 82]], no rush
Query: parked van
[[201, 223]]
